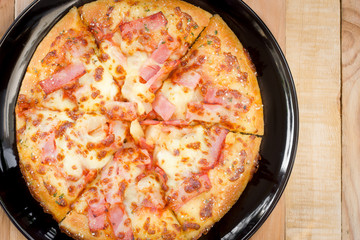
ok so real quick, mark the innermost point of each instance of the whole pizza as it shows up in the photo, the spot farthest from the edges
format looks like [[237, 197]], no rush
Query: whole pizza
[[139, 119]]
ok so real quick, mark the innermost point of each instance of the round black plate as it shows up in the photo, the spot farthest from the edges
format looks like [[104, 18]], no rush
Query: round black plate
[[280, 111]]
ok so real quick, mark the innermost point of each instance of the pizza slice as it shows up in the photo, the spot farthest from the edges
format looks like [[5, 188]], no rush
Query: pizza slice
[[125, 202], [216, 84], [142, 42], [206, 171], [65, 74], [61, 153]]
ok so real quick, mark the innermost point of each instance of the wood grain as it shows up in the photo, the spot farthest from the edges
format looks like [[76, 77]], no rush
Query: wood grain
[[350, 121], [274, 227], [20, 5], [313, 198], [7, 15]]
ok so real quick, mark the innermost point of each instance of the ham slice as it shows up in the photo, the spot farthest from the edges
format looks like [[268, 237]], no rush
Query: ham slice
[[189, 79], [216, 140], [149, 71], [49, 148], [146, 24], [62, 77], [96, 222], [120, 110], [163, 107], [97, 212], [154, 74], [189, 188], [120, 222], [161, 54], [143, 144]]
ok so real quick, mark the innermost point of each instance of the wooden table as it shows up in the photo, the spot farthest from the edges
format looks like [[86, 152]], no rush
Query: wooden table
[[321, 200]]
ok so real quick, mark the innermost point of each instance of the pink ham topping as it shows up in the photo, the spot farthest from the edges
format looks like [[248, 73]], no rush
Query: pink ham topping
[[63, 77], [96, 222], [97, 205], [161, 54], [154, 74], [217, 140], [163, 107], [146, 24], [149, 71], [189, 79], [120, 110], [49, 147], [120, 222], [97, 212], [189, 189]]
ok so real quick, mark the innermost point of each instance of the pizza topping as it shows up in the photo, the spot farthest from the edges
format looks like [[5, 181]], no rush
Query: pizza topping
[[177, 122], [161, 54], [149, 71], [120, 110], [115, 52], [154, 83], [189, 79], [163, 107], [226, 97], [217, 141], [120, 222], [206, 210], [62, 78], [149, 193], [49, 149], [99, 73], [96, 222], [190, 225], [189, 188], [143, 25]]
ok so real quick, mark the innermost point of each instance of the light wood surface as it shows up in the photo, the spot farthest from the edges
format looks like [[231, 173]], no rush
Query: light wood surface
[[322, 199], [350, 120], [313, 197]]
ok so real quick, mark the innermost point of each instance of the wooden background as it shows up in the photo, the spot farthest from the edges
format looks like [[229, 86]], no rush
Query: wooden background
[[321, 40]]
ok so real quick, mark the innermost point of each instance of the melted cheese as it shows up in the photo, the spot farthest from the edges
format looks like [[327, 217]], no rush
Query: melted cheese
[[133, 90], [136, 130], [57, 101], [179, 151], [105, 89], [178, 95]]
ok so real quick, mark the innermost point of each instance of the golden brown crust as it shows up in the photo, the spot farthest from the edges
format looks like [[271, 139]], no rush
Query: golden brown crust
[[76, 225], [228, 181], [39, 192]]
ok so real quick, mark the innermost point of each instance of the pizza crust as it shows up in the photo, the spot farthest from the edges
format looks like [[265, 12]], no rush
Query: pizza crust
[[76, 225]]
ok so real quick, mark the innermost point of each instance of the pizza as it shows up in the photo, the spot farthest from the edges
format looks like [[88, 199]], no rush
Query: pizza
[[139, 120]]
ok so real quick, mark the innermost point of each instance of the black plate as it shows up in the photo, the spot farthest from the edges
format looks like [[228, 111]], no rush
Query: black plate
[[280, 111]]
